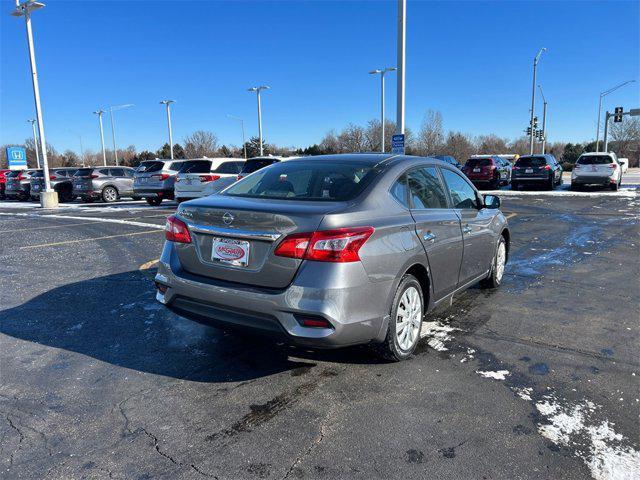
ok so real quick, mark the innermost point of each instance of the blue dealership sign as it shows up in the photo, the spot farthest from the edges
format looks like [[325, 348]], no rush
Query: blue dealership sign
[[397, 144], [17, 158]]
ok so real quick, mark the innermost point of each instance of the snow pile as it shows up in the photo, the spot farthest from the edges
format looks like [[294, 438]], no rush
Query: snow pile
[[497, 375], [599, 446], [437, 334]]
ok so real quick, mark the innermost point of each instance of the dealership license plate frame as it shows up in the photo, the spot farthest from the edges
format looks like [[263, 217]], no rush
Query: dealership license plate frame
[[236, 262]]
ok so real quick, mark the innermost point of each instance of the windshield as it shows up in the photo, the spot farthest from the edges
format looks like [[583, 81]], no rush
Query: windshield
[[83, 172], [306, 180], [531, 162], [595, 160], [196, 166], [251, 166]]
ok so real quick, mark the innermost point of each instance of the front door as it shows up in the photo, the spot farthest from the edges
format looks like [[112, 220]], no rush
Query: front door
[[438, 228], [478, 238]]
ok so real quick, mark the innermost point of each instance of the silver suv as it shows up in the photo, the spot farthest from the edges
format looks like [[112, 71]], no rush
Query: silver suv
[[103, 183], [154, 180], [18, 184], [333, 250], [60, 180]]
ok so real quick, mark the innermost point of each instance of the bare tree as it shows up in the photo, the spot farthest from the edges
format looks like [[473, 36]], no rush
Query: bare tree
[[491, 144], [352, 139], [329, 143], [430, 138], [200, 144], [459, 146], [625, 139]]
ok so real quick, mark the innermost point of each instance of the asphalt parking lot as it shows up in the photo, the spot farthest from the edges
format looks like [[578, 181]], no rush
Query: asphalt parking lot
[[538, 379]]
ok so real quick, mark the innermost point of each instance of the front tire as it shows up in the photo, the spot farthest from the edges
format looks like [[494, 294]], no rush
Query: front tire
[[497, 266], [109, 194], [403, 332]]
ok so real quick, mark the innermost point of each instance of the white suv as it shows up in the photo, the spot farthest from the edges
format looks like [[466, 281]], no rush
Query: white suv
[[597, 168], [205, 176]]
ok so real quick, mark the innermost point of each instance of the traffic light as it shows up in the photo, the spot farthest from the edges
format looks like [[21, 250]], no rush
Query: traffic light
[[617, 115], [535, 122], [529, 131]]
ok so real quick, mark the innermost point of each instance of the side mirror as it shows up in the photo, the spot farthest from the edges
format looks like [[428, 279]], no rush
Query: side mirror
[[491, 201]]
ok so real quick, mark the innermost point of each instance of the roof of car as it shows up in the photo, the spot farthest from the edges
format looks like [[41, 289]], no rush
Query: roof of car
[[593, 154]]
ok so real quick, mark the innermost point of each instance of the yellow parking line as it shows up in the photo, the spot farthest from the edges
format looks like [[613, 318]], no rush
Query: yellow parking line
[[148, 265], [67, 242], [510, 215]]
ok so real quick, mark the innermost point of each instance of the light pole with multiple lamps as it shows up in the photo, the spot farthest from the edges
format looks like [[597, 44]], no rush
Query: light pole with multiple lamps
[[382, 72], [35, 140], [244, 143], [533, 97], [258, 90], [48, 198], [602, 95], [104, 152], [544, 120], [167, 103], [113, 129]]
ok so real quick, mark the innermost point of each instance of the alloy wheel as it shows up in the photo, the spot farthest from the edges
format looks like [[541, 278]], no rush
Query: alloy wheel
[[408, 318]]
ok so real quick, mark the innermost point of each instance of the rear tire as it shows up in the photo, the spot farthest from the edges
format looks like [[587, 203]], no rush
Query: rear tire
[[109, 194], [403, 332], [154, 202], [615, 186], [497, 266], [551, 184], [136, 198]]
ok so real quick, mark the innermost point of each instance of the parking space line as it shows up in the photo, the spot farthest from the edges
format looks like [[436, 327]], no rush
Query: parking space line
[[90, 219], [91, 239], [510, 215], [149, 264]]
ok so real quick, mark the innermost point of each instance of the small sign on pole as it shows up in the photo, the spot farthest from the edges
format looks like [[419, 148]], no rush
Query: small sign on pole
[[634, 112], [397, 144], [17, 158]]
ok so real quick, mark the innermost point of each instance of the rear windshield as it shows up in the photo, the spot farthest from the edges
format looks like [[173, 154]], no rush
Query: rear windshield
[[531, 162], [306, 180], [251, 166], [150, 166], [196, 166], [13, 173], [37, 174], [479, 162], [83, 172], [595, 160]]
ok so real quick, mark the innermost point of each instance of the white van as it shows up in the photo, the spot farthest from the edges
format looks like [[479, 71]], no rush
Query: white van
[[201, 177]]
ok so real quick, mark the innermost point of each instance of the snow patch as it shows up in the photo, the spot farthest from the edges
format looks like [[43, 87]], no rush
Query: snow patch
[[497, 375], [523, 392], [437, 333]]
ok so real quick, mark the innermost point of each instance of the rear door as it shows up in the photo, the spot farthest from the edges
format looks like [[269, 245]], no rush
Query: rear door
[[119, 180], [478, 241], [438, 228]]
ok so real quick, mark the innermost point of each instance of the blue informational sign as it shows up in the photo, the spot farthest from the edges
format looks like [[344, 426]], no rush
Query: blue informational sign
[[17, 158], [397, 144]]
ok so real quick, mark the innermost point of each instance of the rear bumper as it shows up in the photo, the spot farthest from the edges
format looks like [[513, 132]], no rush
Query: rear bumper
[[536, 178], [340, 293], [153, 192], [593, 180]]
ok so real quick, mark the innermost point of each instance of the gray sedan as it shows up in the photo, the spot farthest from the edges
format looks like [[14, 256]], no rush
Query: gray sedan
[[333, 250]]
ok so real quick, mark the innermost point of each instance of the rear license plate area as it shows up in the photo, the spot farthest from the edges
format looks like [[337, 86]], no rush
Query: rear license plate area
[[230, 251]]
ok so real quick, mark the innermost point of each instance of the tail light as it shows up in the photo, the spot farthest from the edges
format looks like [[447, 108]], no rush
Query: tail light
[[20, 177], [239, 176], [546, 167], [313, 321], [94, 176], [161, 176], [209, 178], [613, 166], [52, 177], [340, 245], [175, 230]]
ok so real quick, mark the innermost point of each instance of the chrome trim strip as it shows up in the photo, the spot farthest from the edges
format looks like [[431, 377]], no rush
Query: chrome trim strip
[[232, 232]]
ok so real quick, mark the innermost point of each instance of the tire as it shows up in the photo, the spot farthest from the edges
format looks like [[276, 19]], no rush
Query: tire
[[497, 266], [398, 345], [551, 184], [136, 198], [615, 187], [495, 184], [109, 194], [574, 187], [154, 201]]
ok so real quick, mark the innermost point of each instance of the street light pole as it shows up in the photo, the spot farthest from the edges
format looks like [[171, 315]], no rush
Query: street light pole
[[104, 152], [602, 95], [402, 39], [168, 103], [244, 143], [258, 90], [35, 140], [113, 129], [382, 72], [50, 197], [533, 97], [544, 121]]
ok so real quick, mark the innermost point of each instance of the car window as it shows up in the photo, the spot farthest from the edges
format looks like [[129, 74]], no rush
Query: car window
[[83, 172], [229, 167], [128, 172], [150, 166], [479, 162], [196, 166], [116, 172], [251, 166], [595, 160], [462, 194], [425, 189], [399, 191], [175, 167], [531, 162]]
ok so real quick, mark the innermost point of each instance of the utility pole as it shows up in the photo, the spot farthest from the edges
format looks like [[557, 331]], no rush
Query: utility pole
[[168, 103], [104, 152], [113, 129], [544, 121], [382, 72], [258, 90], [244, 143], [533, 98], [48, 198], [402, 38], [35, 140]]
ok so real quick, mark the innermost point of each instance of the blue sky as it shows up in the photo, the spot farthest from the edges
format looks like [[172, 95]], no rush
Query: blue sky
[[469, 60]]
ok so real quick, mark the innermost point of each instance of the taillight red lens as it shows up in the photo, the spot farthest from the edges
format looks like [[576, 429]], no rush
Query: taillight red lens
[[52, 177], [20, 176], [175, 230], [314, 322], [94, 176], [546, 167], [239, 177], [209, 178], [340, 245], [613, 165], [161, 176]]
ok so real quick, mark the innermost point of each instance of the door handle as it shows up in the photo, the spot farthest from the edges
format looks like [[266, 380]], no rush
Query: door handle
[[429, 237], [466, 229]]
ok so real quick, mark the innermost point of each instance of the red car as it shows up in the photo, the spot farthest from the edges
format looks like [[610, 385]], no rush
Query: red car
[[488, 171], [3, 182]]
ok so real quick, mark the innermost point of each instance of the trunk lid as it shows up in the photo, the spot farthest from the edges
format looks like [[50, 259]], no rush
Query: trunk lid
[[257, 225]]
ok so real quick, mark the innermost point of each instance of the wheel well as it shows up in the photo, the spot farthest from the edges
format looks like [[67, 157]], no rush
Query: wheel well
[[112, 186], [421, 273]]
